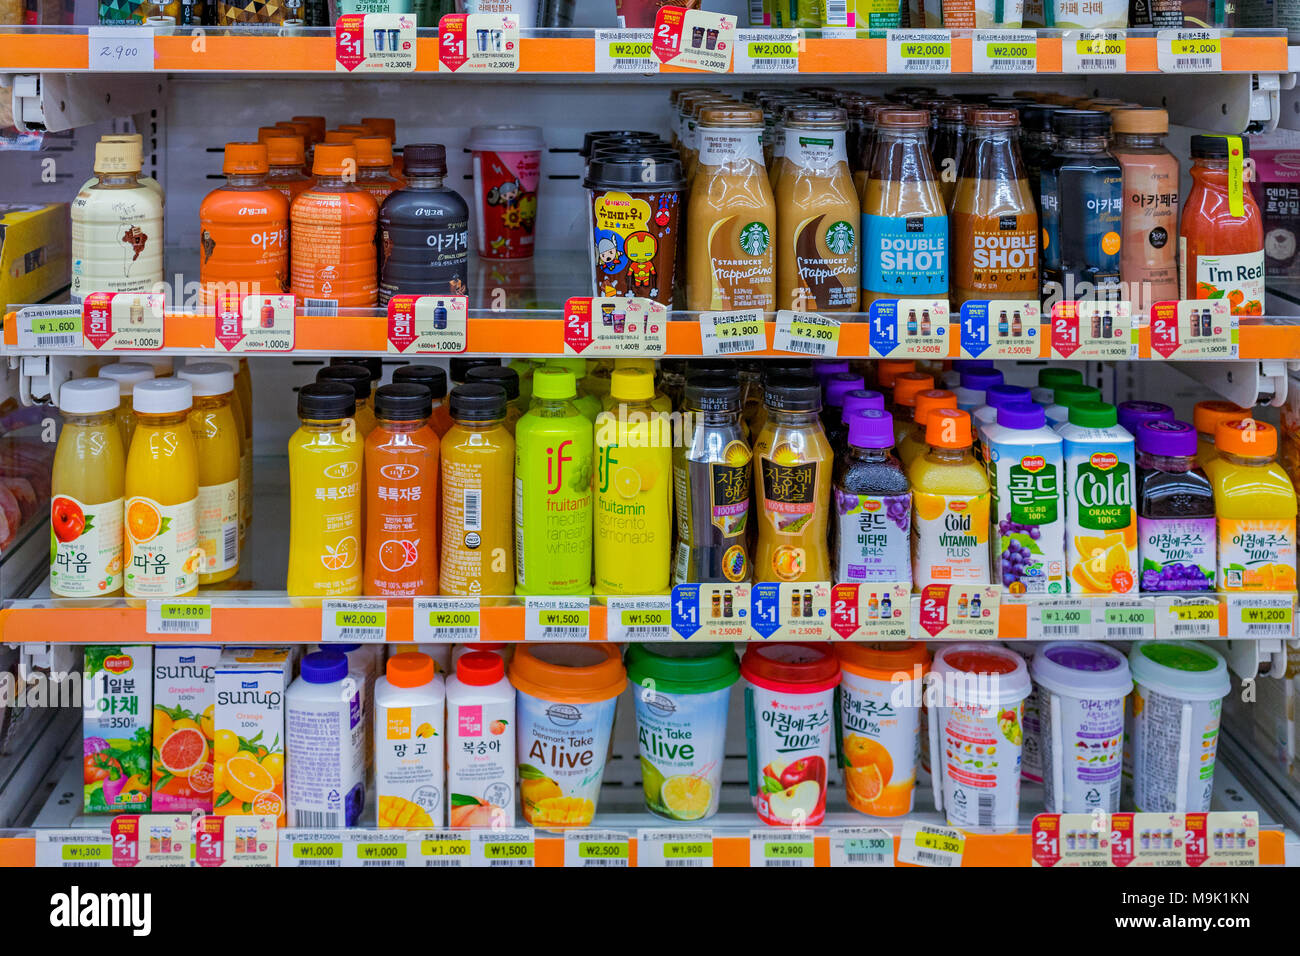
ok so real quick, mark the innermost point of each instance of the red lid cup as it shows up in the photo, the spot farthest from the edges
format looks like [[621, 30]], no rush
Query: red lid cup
[[480, 668], [791, 668]]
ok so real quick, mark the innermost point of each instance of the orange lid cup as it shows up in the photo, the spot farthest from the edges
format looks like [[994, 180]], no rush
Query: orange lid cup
[[315, 123], [910, 384], [410, 669], [341, 136], [948, 428], [333, 159], [246, 159], [381, 126], [929, 400], [263, 132], [888, 370], [1246, 438], [569, 673], [374, 151], [1206, 416], [883, 661], [284, 150]]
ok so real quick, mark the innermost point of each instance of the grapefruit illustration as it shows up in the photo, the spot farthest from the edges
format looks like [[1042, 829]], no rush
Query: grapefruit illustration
[[184, 751], [142, 521]]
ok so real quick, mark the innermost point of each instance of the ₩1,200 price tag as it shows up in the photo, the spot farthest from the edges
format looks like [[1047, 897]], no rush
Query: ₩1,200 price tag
[[374, 43], [694, 39], [353, 622], [806, 333], [1256, 616], [1195, 329], [1000, 329], [50, 328], [918, 51], [1093, 331], [478, 43], [767, 51], [732, 333], [115, 321], [909, 328], [255, 323], [1187, 618], [625, 51], [871, 612], [1093, 51], [1004, 51], [557, 618], [428, 324]]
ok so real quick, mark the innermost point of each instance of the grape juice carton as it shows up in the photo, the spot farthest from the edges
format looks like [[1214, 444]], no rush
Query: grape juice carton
[[117, 696], [248, 744], [184, 728]]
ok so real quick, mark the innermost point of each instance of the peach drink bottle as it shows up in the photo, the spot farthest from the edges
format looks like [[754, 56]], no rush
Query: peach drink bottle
[[244, 230], [332, 234], [217, 443]]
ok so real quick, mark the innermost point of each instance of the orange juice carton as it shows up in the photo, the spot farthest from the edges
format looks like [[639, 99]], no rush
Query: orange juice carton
[[1101, 521], [248, 746], [117, 695], [184, 695]]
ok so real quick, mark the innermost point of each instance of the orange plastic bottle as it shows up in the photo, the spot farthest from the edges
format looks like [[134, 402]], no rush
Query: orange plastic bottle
[[284, 158], [374, 158], [309, 140], [386, 126], [340, 135], [401, 495], [244, 230], [333, 254]]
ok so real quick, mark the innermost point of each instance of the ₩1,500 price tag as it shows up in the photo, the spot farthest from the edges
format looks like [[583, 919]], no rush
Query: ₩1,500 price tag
[[909, 328], [1000, 329], [506, 847], [114, 321], [557, 618], [255, 323], [374, 43], [353, 622], [806, 333], [638, 619], [428, 324]]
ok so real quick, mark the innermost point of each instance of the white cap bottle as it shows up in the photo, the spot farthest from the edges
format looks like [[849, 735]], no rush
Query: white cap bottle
[[481, 742], [500, 648], [410, 727]]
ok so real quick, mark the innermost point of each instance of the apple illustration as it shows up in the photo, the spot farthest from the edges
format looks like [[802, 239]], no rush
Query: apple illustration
[[803, 769], [796, 803], [67, 519]]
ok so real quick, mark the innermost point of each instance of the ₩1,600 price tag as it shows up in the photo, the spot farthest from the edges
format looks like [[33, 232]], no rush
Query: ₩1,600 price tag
[[732, 333], [557, 618], [918, 51], [177, 617], [625, 51], [445, 620], [353, 622], [374, 43], [428, 324], [255, 323], [50, 328], [806, 333], [767, 51]]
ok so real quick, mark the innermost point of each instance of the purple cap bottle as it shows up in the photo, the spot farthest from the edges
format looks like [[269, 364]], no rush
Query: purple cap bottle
[[828, 367], [838, 385], [980, 379], [861, 399], [1131, 415], [1022, 415], [999, 396], [1166, 438], [871, 428]]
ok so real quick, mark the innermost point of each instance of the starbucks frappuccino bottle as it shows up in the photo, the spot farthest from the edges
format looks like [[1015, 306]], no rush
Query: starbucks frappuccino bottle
[[904, 223], [117, 226], [731, 220], [994, 222], [691, 146], [817, 224]]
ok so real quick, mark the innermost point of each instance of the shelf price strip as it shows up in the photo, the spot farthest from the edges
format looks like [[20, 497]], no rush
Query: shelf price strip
[[861, 846], [918, 51], [597, 848], [782, 848], [445, 620], [177, 617], [508, 847], [625, 51], [1189, 51], [374, 43], [50, 328], [557, 618], [1004, 51], [767, 51], [354, 622], [1124, 619], [674, 848]]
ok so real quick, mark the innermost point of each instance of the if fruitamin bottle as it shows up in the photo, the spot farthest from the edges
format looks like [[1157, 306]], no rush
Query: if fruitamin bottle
[[244, 230], [333, 236]]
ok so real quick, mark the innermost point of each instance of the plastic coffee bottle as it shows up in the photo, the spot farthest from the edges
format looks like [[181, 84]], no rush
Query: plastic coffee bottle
[[244, 230], [1149, 262], [332, 253], [374, 162], [284, 161], [424, 230], [117, 227]]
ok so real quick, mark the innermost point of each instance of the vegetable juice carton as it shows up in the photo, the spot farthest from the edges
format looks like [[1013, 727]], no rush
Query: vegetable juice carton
[[248, 746], [184, 696], [117, 695], [1101, 526]]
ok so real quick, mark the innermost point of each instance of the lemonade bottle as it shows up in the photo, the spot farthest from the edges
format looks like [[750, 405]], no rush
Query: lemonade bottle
[[401, 494], [633, 489], [216, 442], [1101, 530], [86, 493], [792, 484], [333, 262], [243, 230], [325, 464], [357, 378], [950, 505], [127, 375], [162, 494], [1256, 506]]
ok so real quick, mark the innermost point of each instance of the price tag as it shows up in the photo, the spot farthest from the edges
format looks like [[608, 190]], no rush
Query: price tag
[[1255, 616], [119, 49], [353, 622], [861, 846], [1189, 51], [377, 849], [714, 612], [1093, 51], [1148, 839], [255, 323], [440, 849], [1124, 619], [1070, 839], [445, 620], [1101, 331], [427, 324], [806, 333], [311, 848], [557, 618], [606, 848], [767, 51], [871, 612], [674, 848], [619, 327], [909, 328], [1223, 838], [732, 333], [151, 839], [235, 841], [494, 847], [791, 611], [638, 619], [1196, 329], [177, 617], [50, 328], [1061, 620], [374, 43], [694, 39], [115, 321], [1187, 618], [1004, 51], [965, 612], [782, 848], [1001, 329], [918, 51], [74, 848], [931, 845], [625, 51]]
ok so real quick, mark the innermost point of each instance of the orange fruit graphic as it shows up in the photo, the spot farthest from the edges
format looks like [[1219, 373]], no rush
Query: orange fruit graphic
[[142, 521], [340, 556], [246, 778]]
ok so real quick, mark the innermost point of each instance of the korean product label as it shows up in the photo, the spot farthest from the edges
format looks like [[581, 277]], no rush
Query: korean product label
[[326, 779], [1029, 536], [878, 739], [787, 497], [1091, 733], [789, 741], [219, 526], [1257, 554], [1239, 279], [1160, 769], [950, 538], [906, 256], [981, 763], [1177, 554], [562, 749], [162, 553], [409, 765], [117, 705], [481, 764], [873, 538], [86, 547], [682, 741]]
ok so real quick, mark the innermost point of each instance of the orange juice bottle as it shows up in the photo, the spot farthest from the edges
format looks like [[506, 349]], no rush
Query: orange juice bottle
[[434, 378], [241, 406], [357, 378], [374, 160], [244, 230], [285, 156], [332, 251], [217, 442], [401, 494], [127, 375], [162, 494]]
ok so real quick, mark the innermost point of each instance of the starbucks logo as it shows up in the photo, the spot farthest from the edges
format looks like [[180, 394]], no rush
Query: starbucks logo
[[754, 239], [839, 238]]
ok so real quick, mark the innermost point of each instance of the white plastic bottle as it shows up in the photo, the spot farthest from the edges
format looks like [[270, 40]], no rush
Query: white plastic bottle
[[117, 227], [324, 744], [410, 766], [365, 664], [481, 742]]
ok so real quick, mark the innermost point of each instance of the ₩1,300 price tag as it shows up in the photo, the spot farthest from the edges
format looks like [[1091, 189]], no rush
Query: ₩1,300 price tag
[[806, 333], [918, 51], [732, 333], [909, 328], [861, 846], [428, 324], [73, 848], [625, 51], [1062, 840], [353, 622], [374, 43], [557, 618], [255, 323], [115, 321], [1000, 329], [767, 51], [931, 845]]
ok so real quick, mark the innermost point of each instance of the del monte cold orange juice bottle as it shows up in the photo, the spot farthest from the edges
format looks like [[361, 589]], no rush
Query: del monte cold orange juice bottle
[[333, 263], [217, 443], [244, 230]]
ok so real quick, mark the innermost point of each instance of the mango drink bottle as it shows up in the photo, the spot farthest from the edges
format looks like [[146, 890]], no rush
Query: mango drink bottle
[[508, 379], [914, 445], [1101, 541], [792, 484], [332, 251], [634, 470], [1206, 418], [285, 156], [127, 375], [357, 378], [950, 505], [401, 494], [374, 162], [553, 496], [1256, 507], [162, 557], [217, 433], [325, 465], [244, 230], [86, 493], [434, 379]]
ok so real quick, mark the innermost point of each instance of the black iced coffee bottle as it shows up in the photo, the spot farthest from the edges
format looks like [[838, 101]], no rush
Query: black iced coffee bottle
[[423, 230]]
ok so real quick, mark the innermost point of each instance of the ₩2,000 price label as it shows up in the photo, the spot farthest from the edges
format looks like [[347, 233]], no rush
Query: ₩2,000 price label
[[1195, 329], [806, 333], [918, 51], [445, 620], [767, 51], [1096, 331], [909, 328], [353, 622], [428, 324], [715, 612], [1094, 51], [1004, 51], [374, 43], [625, 51], [113, 321], [1000, 329], [871, 612], [694, 39], [1189, 51]]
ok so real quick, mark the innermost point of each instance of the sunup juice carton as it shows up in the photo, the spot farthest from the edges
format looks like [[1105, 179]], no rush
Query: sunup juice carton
[[117, 696], [184, 727], [248, 746]]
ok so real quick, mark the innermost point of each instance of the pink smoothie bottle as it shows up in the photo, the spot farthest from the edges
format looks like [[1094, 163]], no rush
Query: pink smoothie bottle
[[1149, 253]]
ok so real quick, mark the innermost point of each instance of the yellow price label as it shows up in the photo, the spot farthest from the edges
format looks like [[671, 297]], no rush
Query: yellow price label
[[926, 51], [772, 51], [318, 851], [1012, 51], [453, 618], [381, 851], [941, 842], [655, 618], [1266, 615], [1195, 612], [624, 50], [563, 618], [444, 847], [1100, 46], [815, 331]]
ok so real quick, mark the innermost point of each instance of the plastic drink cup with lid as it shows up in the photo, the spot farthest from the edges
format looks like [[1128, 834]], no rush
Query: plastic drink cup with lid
[[408, 742], [507, 164], [1174, 730], [977, 734], [564, 715], [877, 737], [1081, 688], [789, 718], [682, 693]]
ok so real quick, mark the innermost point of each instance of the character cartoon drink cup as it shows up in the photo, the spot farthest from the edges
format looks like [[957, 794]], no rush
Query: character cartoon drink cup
[[789, 715], [635, 208], [976, 732], [507, 163]]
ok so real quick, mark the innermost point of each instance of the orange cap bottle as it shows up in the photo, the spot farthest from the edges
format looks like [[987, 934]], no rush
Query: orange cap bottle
[[908, 385], [244, 230], [385, 126], [888, 370], [284, 156], [374, 159], [929, 400], [948, 428], [1246, 438], [317, 124], [340, 135], [263, 132], [333, 234]]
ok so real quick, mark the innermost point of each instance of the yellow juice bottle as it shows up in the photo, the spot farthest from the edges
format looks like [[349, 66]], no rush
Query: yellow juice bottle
[[358, 378], [241, 406], [127, 375], [1206, 417], [86, 493], [950, 505], [1255, 503], [661, 401], [162, 557], [507, 377], [634, 466], [325, 464], [217, 435]]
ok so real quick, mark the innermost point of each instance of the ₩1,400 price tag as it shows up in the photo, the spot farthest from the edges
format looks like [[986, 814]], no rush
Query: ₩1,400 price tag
[[116, 321], [806, 333], [959, 612], [557, 618], [624, 327], [428, 324], [1000, 329], [374, 43], [871, 612], [255, 323], [1063, 619], [909, 328], [353, 622]]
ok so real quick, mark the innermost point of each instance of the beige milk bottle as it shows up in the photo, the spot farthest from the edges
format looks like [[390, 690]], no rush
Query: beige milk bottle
[[117, 235]]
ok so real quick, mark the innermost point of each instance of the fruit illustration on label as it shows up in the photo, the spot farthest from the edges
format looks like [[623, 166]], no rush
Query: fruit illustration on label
[[143, 523], [1009, 724], [340, 556], [68, 520], [396, 554]]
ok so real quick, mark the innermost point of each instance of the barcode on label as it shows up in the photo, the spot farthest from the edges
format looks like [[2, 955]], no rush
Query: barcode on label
[[314, 818], [732, 345], [771, 863], [473, 509], [1097, 63], [1193, 63], [984, 807], [837, 13], [755, 12], [57, 341], [373, 863], [815, 348], [437, 863], [868, 859], [361, 633], [1018, 65], [631, 63], [181, 627], [1190, 630], [318, 863], [1114, 633], [693, 862], [926, 65], [934, 859], [320, 307], [1061, 630], [785, 65], [230, 543], [552, 633]]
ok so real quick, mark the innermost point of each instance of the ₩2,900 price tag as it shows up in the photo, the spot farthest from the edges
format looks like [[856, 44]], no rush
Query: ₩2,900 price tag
[[557, 618], [353, 622], [694, 39], [638, 619], [909, 328], [625, 51], [1004, 51], [965, 612], [478, 43], [120, 49], [871, 612], [1195, 329], [674, 848], [1189, 51], [374, 43], [806, 333], [732, 333], [782, 848], [1093, 51], [1000, 329], [255, 323], [50, 328], [445, 620], [115, 321], [767, 51], [177, 617], [714, 612], [1096, 331], [791, 612], [918, 51], [428, 324]]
